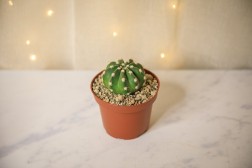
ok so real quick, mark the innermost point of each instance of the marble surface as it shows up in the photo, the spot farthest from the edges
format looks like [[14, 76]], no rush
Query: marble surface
[[201, 119]]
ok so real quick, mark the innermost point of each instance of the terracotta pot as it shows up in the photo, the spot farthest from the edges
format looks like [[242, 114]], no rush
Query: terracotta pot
[[125, 122]]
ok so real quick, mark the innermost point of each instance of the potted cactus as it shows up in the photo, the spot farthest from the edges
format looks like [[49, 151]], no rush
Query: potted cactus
[[125, 92]]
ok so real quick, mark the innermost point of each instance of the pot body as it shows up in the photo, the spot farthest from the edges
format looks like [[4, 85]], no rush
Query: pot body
[[125, 122]]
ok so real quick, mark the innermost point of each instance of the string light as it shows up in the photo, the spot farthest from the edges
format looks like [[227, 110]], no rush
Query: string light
[[33, 57], [162, 55], [50, 12], [10, 3], [114, 34], [28, 42]]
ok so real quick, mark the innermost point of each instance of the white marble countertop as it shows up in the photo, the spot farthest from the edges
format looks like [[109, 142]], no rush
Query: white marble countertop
[[201, 119]]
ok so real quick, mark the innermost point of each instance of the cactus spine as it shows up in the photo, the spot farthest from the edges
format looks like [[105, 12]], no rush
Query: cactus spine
[[124, 77]]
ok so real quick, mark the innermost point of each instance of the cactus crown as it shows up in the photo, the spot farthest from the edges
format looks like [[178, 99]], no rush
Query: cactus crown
[[124, 77]]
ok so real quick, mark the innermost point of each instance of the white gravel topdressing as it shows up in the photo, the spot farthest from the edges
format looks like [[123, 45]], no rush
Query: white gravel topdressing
[[148, 90]]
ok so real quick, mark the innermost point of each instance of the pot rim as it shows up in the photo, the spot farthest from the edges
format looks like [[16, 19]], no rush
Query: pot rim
[[137, 105]]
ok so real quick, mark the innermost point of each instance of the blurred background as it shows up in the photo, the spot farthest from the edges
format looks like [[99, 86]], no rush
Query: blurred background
[[160, 34]]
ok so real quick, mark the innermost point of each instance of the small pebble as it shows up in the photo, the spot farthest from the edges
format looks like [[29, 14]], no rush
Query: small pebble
[[119, 98], [138, 97], [148, 76], [153, 93], [132, 101]]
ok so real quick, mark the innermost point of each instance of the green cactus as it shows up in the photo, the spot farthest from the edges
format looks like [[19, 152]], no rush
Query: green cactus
[[124, 77]]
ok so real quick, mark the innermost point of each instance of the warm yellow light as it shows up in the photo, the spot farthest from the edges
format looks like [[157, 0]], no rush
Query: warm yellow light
[[10, 3], [50, 12], [174, 6], [28, 42], [162, 55], [114, 34], [33, 57]]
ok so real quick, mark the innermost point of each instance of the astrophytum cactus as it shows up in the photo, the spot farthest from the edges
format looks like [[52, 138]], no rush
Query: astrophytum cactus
[[124, 77]]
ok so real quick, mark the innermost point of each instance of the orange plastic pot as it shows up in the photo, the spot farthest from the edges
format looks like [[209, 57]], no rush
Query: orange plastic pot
[[125, 122]]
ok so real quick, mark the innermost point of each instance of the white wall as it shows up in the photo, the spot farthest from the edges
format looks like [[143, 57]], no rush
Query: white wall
[[215, 33], [79, 34], [144, 28], [50, 37]]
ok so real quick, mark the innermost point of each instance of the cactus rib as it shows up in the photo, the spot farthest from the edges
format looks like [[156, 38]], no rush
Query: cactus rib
[[124, 77]]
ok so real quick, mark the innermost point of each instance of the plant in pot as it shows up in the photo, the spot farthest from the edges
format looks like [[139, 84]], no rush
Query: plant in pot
[[125, 92]]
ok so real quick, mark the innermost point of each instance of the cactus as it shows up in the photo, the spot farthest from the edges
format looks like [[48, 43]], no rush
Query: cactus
[[124, 77]]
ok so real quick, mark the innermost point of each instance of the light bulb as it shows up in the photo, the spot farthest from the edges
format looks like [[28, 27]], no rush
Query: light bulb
[[28, 42], [33, 57], [114, 34], [174, 6], [10, 3], [50, 12], [162, 55]]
